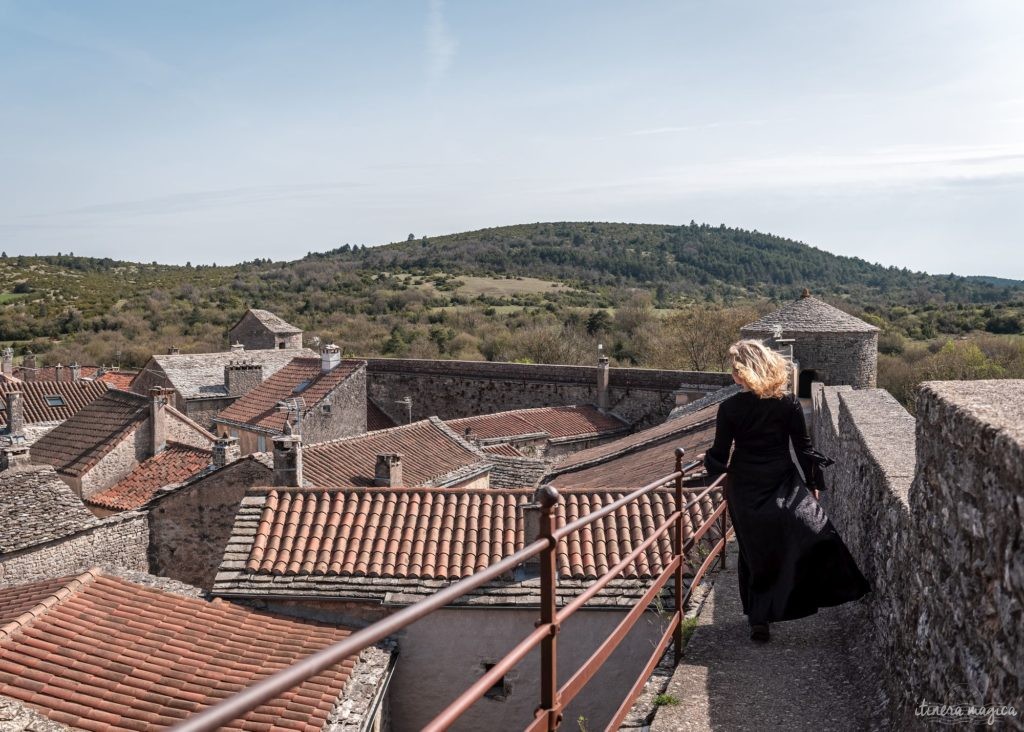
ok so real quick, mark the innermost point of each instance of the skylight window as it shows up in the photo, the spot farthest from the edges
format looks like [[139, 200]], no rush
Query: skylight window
[[55, 400], [302, 387]]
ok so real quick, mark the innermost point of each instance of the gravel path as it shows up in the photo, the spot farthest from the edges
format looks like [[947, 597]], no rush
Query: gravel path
[[810, 676]]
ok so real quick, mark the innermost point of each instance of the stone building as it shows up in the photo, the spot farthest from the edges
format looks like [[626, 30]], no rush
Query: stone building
[[205, 384], [106, 440], [98, 650], [829, 345], [324, 398], [261, 329], [33, 408]]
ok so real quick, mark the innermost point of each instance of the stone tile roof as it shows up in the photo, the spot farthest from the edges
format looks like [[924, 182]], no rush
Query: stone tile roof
[[639, 458], [376, 419], [368, 543], [201, 375], [74, 394], [36, 506], [101, 652], [76, 445], [301, 377], [556, 422], [432, 454], [272, 322], [809, 315], [170, 467], [715, 397]]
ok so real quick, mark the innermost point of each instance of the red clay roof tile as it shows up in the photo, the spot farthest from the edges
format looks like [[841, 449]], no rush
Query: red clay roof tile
[[174, 656], [556, 422], [174, 465]]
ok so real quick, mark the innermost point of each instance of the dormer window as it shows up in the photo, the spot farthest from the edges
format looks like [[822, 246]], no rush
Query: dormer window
[[55, 400]]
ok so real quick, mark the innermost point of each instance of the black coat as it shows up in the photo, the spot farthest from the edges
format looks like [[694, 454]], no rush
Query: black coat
[[791, 560]]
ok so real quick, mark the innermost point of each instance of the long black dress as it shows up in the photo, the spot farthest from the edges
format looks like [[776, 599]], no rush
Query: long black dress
[[791, 559]]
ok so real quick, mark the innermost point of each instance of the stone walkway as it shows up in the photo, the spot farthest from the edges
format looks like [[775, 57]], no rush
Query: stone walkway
[[808, 677]]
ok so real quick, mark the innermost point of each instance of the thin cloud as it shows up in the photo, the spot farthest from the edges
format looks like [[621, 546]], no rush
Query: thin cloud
[[441, 45]]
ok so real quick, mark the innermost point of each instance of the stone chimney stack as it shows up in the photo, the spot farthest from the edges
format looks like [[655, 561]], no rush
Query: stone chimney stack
[[330, 357], [241, 376], [602, 379], [388, 471], [29, 367], [288, 459], [157, 420], [8, 361], [225, 451], [173, 351], [58, 370], [531, 515], [76, 371], [15, 413], [15, 456], [237, 347]]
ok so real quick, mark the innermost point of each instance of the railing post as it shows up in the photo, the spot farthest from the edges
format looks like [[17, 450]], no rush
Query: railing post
[[725, 526], [677, 550], [550, 705]]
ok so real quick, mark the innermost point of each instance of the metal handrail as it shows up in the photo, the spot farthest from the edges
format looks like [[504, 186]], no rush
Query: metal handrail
[[552, 697]]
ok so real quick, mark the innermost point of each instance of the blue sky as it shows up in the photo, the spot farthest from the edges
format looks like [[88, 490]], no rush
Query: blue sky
[[224, 131]]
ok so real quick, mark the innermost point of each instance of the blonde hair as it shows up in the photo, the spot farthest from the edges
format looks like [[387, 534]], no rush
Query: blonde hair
[[759, 368]]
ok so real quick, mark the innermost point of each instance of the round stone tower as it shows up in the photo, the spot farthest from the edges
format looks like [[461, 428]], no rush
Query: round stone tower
[[829, 345]]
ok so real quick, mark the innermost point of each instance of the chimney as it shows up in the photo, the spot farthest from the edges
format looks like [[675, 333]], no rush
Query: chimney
[[29, 367], [15, 456], [602, 379], [531, 513], [173, 351], [225, 450], [288, 459], [237, 347], [387, 472], [76, 371], [8, 361], [330, 357], [241, 376], [15, 413], [157, 420], [59, 371]]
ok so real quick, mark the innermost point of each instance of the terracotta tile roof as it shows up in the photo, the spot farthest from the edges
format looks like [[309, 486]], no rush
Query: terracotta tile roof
[[102, 653], [76, 445], [639, 458], [442, 533], [38, 403], [36, 506], [302, 377], [19, 599], [432, 454], [173, 466], [49, 373], [556, 422], [376, 419], [502, 449], [201, 375], [118, 379]]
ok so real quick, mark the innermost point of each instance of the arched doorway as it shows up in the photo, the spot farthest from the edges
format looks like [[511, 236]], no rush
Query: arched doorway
[[804, 384]]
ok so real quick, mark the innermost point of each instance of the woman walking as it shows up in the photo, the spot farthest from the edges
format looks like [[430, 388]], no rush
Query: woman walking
[[791, 560]]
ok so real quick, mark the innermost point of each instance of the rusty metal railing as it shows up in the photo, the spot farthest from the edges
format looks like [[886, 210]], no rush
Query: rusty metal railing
[[553, 698]]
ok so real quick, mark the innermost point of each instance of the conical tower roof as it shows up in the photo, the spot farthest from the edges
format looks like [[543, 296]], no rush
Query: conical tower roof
[[809, 315]]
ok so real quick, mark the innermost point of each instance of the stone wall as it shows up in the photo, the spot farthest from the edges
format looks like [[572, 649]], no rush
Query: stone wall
[[204, 410], [347, 415], [254, 335], [131, 449], [933, 514], [837, 358], [453, 389], [189, 527], [119, 541]]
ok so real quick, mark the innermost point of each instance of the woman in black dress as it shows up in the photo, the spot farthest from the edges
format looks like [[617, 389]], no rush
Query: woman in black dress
[[791, 560]]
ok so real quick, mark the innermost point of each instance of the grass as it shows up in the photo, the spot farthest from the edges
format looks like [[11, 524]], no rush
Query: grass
[[666, 700], [6, 297], [501, 287]]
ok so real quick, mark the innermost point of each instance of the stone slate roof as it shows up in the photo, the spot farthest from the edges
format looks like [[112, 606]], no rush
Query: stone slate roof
[[572, 422], [201, 375], [637, 459], [716, 397], [272, 322], [75, 394], [76, 445], [301, 377], [809, 315], [36, 506], [100, 652], [394, 545], [170, 467], [432, 454]]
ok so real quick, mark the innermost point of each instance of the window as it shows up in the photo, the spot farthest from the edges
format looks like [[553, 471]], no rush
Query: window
[[499, 691], [261, 443], [302, 387], [55, 400]]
